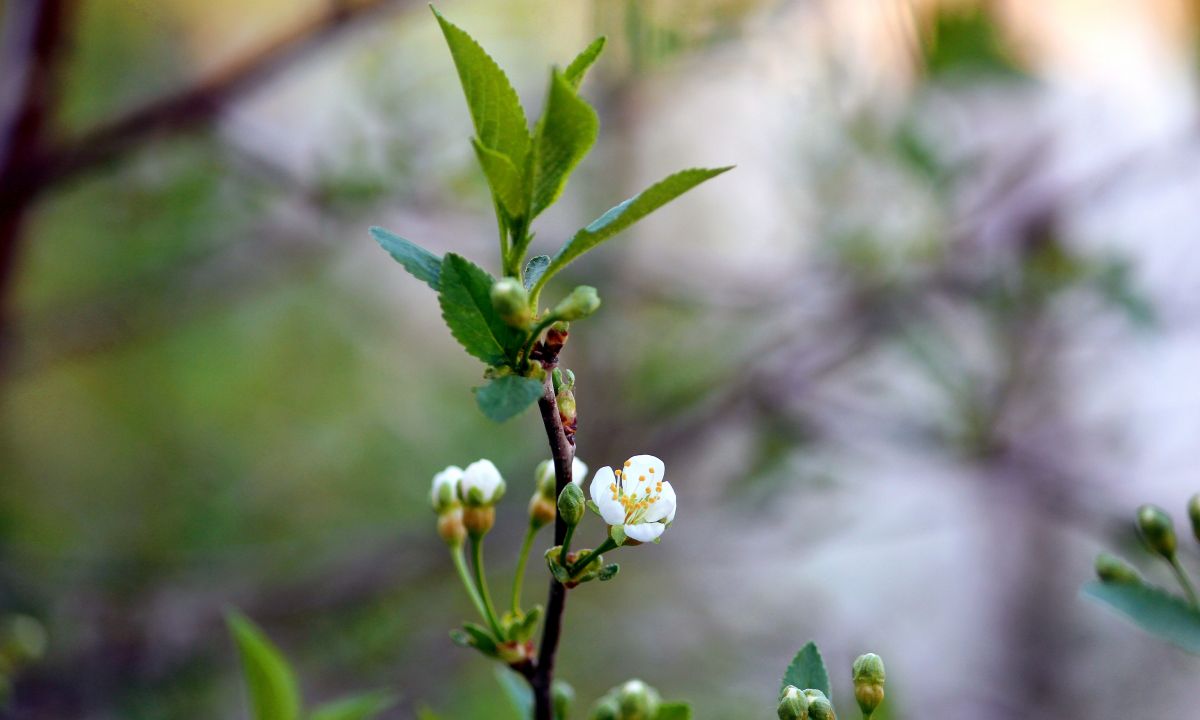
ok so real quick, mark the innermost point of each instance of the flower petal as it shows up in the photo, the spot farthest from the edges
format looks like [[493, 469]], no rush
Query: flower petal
[[664, 506], [578, 471], [642, 471], [644, 532], [611, 510]]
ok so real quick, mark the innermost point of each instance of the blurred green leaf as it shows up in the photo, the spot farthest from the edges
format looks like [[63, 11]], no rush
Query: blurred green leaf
[[358, 707], [517, 692], [495, 108], [419, 262], [1153, 610], [626, 214], [807, 671], [674, 711], [579, 66], [274, 694], [966, 39], [467, 309], [508, 396], [533, 271], [565, 133]]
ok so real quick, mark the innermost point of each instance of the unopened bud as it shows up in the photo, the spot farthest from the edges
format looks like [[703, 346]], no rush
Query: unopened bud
[[793, 704], [566, 406], [481, 484], [541, 510], [511, 302], [637, 701], [564, 697], [1112, 569], [821, 709], [1194, 514], [571, 504], [1157, 530], [450, 527], [869, 678], [443, 496], [478, 520], [606, 708], [582, 301]]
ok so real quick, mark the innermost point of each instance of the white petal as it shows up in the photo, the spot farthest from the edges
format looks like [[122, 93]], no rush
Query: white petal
[[611, 510], [482, 474], [451, 476], [644, 532], [578, 471], [664, 506], [642, 470]]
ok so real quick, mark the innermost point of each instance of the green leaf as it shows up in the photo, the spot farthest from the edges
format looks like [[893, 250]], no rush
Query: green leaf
[[533, 271], [1153, 610], [579, 66], [495, 108], [274, 694], [674, 711], [517, 692], [467, 309], [506, 181], [626, 214], [419, 262], [480, 638], [358, 707], [807, 671], [565, 133], [508, 396]]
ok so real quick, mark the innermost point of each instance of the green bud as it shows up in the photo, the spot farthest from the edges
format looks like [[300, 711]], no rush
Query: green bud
[[637, 701], [821, 709], [869, 678], [511, 302], [564, 697], [543, 478], [1112, 569], [571, 504], [793, 704], [582, 301], [1157, 530], [606, 708], [1194, 514]]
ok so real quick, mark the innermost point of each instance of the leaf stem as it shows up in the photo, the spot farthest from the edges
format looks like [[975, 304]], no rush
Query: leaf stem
[[481, 583], [519, 577], [1185, 582], [460, 564], [581, 563]]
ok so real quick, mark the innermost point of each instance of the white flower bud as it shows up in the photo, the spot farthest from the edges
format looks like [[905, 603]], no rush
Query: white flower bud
[[481, 484], [444, 493]]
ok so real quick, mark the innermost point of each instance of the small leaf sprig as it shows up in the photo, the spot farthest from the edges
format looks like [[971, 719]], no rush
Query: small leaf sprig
[[1171, 617], [805, 691]]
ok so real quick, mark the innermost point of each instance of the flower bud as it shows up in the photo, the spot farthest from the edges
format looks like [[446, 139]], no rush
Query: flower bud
[[541, 510], [481, 485], [637, 701], [511, 302], [1194, 514], [582, 301], [478, 520], [1112, 569], [444, 493], [869, 677], [450, 527], [571, 504], [793, 704], [1157, 530], [606, 708], [564, 697], [821, 709]]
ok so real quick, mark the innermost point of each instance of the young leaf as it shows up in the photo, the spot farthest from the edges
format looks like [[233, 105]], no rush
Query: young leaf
[[517, 691], [579, 66], [507, 396], [1153, 610], [495, 108], [626, 214], [674, 711], [419, 262], [358, 707], [533, 271], [807, 671], [467, 309], [565, 133], [506, 181], [274, 694]]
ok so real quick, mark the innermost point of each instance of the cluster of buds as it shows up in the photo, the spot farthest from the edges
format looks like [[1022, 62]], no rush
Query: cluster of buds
[[807, 704], [1157, 532], [465, 500], [797, 703], [634, 700]]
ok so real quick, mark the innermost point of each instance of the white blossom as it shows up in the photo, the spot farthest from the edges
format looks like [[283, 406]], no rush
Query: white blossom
[[637, 497]]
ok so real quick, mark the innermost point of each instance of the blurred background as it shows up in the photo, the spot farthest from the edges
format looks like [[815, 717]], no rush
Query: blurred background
[[910, 365]]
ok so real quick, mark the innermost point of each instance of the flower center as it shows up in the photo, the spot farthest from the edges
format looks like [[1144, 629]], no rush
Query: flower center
[[636, 495]]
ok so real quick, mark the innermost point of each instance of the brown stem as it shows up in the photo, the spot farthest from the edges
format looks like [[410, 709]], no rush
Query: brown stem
[[562, 449]]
